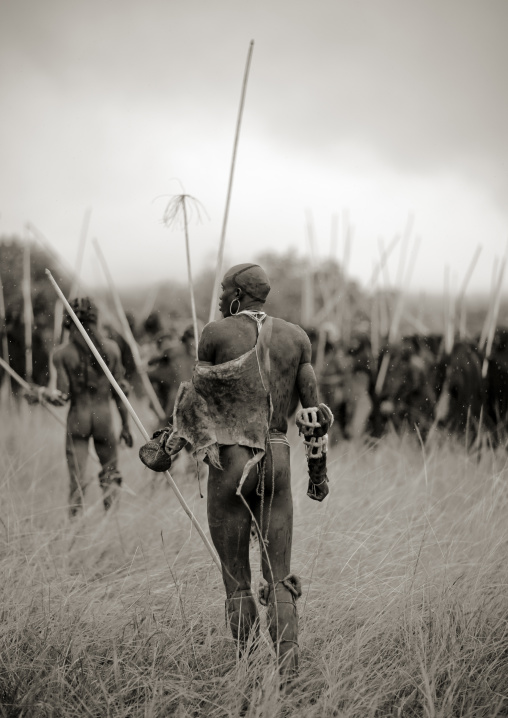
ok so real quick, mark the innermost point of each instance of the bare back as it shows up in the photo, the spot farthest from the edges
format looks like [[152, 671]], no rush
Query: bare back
[[290, 354], [75, 373]]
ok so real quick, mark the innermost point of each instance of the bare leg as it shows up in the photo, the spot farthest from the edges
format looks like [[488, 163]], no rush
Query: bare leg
[[229, 521], [277, 527], [76, 452], [106, 448]]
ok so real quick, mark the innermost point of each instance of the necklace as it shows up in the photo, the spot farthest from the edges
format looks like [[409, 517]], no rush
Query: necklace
[[254, 314]]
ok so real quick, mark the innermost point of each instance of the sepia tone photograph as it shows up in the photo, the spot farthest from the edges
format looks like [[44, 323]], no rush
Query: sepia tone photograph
[[253, 359]]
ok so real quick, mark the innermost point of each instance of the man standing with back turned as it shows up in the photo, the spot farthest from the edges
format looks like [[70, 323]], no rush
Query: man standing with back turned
[[81, 381], [234, 414]]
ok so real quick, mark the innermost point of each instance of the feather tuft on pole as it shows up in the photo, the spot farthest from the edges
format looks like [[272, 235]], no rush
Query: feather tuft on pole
[[180, 210]]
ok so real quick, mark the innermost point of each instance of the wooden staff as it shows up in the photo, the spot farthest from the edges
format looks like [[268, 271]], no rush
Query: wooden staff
[[461, 298], [334, 235], [344, 309], [150, 392], [333, 301], [26, 386], [185, 205], [76, 280], [3, 330], [60, 333], [406, 235], [133, 415], [27, 311], [493, 321], [189, 275], [68, 271], [382, 260], [486, 323], [374, 325], [397, 316], [218, 270], [309, 285]]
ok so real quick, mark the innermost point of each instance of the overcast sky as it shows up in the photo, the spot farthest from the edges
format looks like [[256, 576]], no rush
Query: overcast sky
[[375, 109]]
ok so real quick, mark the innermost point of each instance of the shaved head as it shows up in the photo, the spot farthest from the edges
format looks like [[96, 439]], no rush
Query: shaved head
[[251, 278]]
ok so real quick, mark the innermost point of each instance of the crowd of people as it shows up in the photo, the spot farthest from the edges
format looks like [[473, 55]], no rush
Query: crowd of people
[[416, 385]]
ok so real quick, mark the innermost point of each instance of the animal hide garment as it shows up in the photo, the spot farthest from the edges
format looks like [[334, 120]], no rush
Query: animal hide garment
[[228, 404]]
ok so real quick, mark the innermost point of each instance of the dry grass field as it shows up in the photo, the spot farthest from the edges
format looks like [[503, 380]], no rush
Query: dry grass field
[[405, 590]]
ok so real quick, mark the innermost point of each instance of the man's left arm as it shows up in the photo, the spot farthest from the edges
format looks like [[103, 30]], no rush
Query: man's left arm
[[313, 421]]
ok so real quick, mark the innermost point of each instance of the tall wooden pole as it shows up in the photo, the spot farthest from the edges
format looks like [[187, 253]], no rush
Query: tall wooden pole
[[76, 279], [218, 270], [27, 311], [189, 275], [461, 299], [150, 392], [5, 339], [493, 316]]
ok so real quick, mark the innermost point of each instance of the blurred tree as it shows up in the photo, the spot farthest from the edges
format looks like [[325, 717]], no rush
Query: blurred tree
[[43, 303]]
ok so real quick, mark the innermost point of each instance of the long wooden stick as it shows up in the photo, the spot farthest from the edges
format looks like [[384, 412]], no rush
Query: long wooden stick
[[3, 324], [487, 321], [26, 386], [5, 341], [150, 392], [461, 298], [27, 311], [334, 236], [189, 275], [133, 415], [218, 270], [76, 281], [494, 315], [68, 271], [397, 316]]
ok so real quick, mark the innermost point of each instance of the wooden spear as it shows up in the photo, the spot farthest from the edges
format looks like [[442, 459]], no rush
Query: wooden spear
[[150, 392], [27, 311], [67, 270], [185, 205], [76, 280], [218, 270], [397, 316], [5, 340], [334, 235], [60, 333], [494, 315], [486, 323], [133, 415], [461, 298]]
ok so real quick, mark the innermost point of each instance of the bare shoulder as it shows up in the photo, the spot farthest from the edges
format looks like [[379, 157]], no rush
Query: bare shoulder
[[210, 337], [111, 348], [294, 336], [61, 354], [291, 331]]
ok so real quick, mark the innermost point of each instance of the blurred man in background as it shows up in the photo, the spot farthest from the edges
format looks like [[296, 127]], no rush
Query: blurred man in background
[[81, 381]]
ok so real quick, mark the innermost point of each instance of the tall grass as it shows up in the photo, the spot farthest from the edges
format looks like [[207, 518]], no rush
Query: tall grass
[[404, 609]]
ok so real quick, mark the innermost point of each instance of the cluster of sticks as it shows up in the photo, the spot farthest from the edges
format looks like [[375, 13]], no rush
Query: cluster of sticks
[[335, 302]]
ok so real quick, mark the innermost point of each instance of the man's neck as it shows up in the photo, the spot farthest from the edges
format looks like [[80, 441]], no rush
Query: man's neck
[[252, 306]]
